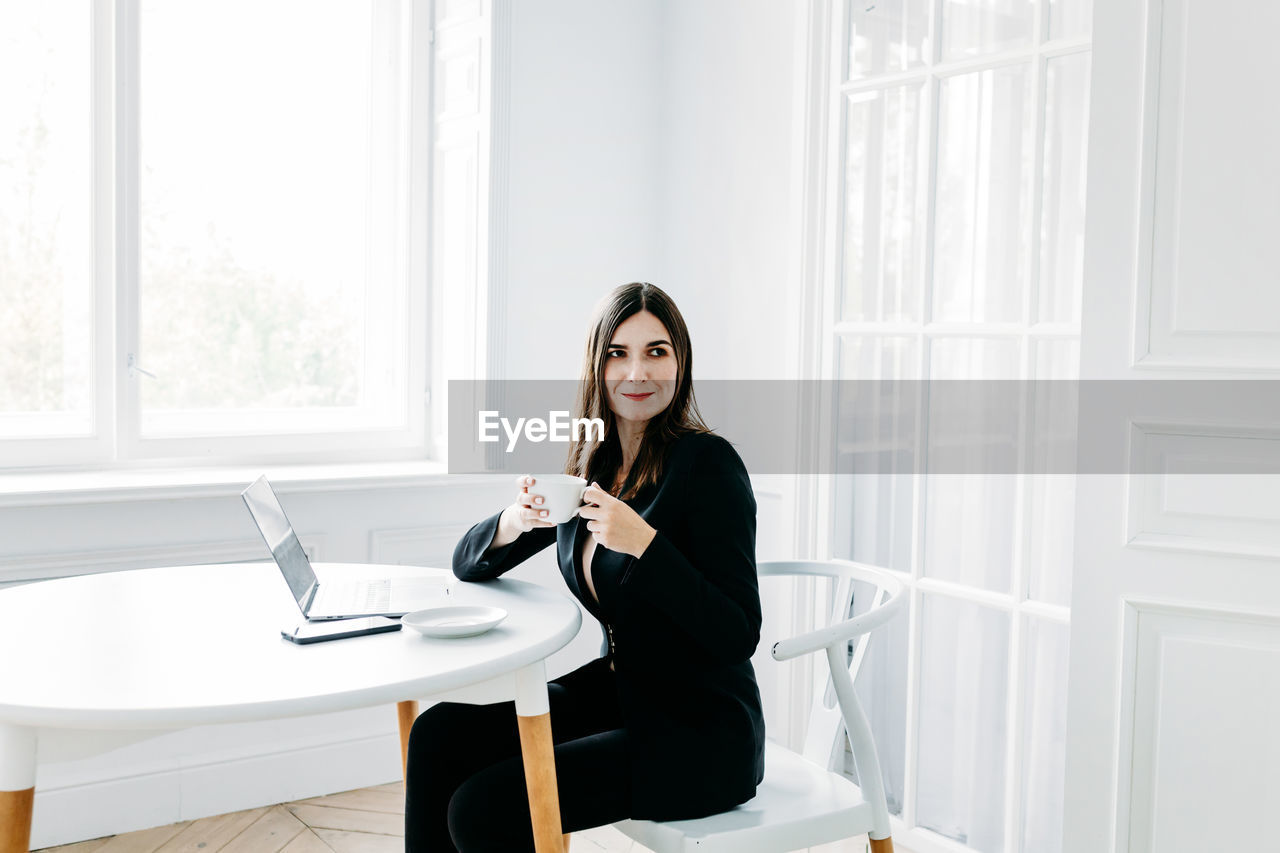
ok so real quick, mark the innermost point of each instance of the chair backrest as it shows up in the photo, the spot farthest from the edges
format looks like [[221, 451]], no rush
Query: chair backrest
[[846, 716]]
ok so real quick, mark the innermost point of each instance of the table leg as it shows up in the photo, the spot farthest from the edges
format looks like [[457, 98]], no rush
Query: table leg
[[533, 713], [17, 787], [407, 712]]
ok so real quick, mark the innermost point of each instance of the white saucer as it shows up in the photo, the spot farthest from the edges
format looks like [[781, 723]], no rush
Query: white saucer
[[457, 620]]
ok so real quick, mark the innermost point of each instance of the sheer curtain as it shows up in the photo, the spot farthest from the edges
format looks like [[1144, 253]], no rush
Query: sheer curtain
[[960, 168]]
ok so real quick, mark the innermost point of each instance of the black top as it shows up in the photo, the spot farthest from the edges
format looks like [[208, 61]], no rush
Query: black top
[[684, 620]]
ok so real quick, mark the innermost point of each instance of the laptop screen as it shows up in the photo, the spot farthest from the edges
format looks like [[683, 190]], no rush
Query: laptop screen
[[285, 547]]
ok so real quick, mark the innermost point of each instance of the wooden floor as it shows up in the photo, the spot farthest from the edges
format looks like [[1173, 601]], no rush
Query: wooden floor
[[370, 820]]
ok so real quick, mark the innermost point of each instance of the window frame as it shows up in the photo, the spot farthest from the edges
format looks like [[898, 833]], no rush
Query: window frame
[[115, 439], [830, 94]]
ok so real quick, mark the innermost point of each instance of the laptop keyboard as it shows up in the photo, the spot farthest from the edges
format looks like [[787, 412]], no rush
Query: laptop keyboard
[[361, 597]]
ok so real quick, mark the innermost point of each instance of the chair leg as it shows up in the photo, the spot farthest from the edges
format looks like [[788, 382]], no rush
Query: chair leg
[[566, 842], [881, 845], [407, 712]]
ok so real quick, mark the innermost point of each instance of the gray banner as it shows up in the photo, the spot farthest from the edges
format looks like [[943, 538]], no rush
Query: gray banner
[[908, 426]]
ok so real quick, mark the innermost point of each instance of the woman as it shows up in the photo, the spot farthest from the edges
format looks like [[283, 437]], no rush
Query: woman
[[668, 724]]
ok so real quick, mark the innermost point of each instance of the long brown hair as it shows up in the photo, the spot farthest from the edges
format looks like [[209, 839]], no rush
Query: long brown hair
[[600, 461]]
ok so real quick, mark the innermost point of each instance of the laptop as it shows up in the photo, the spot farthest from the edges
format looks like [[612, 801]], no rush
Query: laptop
[[378, 597]]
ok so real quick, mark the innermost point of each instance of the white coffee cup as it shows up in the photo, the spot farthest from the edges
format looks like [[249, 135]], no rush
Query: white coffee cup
[[561, 495]]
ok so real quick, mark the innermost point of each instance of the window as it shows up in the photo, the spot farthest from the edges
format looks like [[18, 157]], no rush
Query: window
[[209, 230], [46, 193], [956, 170]]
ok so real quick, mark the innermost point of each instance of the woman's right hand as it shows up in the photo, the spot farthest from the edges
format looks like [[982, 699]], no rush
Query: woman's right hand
[[526, 513]]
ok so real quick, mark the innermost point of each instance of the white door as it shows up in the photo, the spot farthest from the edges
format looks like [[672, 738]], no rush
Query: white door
[[1173, 733]]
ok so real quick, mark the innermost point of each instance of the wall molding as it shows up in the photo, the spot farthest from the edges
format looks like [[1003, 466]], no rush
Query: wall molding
[[499, 185], [46, 566], [810, 135], [116, 803], [1162, 341], [68, 488], [395, 545], [1148, 628], [499, 180], [1191, 475]]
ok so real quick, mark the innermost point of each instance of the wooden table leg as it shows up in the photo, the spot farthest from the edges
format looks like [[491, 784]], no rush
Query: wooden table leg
[[540, 777], [15, 820], [533, 713], [407, 712], [17, 787]]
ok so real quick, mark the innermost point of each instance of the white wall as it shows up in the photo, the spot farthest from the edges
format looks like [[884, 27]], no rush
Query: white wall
[[652, 141], [649, 141], [586, 117], [727, 215]]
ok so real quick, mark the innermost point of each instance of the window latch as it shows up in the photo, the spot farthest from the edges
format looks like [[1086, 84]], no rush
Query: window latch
[[134, 369]]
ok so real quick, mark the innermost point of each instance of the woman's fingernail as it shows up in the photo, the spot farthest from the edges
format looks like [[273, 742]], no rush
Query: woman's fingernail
[[537, 500], [542, 512]]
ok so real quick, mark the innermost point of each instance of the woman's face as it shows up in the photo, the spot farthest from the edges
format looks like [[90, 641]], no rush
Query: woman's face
[[640, 368]]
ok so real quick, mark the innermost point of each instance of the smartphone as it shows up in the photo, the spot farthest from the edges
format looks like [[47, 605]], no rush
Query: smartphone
[[337, 629]]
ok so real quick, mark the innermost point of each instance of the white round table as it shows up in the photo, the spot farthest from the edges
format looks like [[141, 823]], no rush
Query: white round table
[[160, 649]]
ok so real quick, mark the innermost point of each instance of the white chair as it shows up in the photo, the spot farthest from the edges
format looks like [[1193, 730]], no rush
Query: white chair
[[801, 802]]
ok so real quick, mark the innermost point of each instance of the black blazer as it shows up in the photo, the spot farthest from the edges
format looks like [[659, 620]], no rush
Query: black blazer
[[684, 620]]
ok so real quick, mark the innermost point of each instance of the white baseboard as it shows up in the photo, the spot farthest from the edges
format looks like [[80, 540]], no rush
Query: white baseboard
[[201, 786]]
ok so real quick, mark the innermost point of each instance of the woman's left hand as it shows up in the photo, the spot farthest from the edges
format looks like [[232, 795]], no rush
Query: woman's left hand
[[615, 525]]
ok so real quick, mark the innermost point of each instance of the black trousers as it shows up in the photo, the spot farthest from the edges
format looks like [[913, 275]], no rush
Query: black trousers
[[465, 789]]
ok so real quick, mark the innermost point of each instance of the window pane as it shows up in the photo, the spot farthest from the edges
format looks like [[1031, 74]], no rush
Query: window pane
[[268, 281], [878, 357], [982, 229], [874, 486], [874, 514], [1051, 510], [1051, 497], [1044, 735], [884, 202], [46, 284], [1056, 358], [1062, 212], [887, 36], [1070, 18], [972, 27], [969, 532], [956, 358], [964, 669]]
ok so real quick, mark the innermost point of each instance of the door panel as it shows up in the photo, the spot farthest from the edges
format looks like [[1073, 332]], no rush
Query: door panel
[[1175, 640]]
